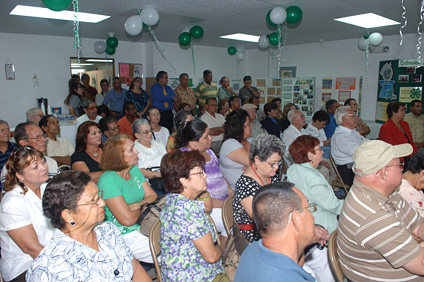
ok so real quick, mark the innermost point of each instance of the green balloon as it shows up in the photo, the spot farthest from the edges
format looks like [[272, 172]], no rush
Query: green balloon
[[294, 14], [57, 5], [231, 50], [196, 31], [112, 42], [268, 19], [184, 39], [110, 50], [273, 38], [145, 26], [366, 36]]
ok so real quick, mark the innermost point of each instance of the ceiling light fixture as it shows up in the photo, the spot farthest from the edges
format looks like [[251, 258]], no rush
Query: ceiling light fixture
[[38, 12], [99, 60], [241, 37], [369, 20]]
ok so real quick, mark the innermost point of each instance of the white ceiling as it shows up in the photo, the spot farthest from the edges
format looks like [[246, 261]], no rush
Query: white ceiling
[[217, 17]]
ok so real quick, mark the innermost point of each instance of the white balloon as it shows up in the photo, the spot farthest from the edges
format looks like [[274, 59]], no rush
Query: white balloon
[[99, 47], [240, 49], [363, 43], [278, 15], [376, 38], [263, 42], [133, 25], [239, 56], [150, 16]]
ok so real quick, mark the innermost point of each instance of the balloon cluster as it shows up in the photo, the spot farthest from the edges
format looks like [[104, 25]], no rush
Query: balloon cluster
[[134, 24], [238, 52], [57, 5], [366, 40], [185, 37], [275, 17], [109, 47]]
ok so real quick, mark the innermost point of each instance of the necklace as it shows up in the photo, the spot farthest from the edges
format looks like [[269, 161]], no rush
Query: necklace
[[260, 179], [93, 153]]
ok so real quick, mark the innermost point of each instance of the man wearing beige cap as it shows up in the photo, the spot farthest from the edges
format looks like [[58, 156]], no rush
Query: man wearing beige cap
[[256, 125], [377, 227]]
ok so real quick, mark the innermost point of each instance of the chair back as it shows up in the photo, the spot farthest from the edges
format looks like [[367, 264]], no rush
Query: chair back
[[227, 214], [155, 247], [214, 228], [334, 257], [338, 182]]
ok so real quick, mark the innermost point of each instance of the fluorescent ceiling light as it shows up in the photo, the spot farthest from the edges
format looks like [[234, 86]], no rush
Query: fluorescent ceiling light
[[99, 60], [369, 20], [242, 37], [77, 65], [37, 12]]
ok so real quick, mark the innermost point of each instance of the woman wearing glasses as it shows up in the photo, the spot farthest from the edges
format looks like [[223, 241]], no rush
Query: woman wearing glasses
[[187, 237], [125, 192], [307, 154], [82, 248], [139, 97], [265, 156], [150, 153], [24, 230]]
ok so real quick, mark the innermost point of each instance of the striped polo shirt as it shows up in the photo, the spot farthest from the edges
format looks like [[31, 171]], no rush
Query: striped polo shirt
[[374, 239], [204, 91]]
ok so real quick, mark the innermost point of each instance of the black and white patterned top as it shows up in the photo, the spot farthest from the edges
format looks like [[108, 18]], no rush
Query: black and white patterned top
[[246, 187]]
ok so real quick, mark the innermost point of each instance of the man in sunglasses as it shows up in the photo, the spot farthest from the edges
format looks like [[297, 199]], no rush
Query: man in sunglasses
[[30, 134], [285, 222], [90, 109], [379, 232]]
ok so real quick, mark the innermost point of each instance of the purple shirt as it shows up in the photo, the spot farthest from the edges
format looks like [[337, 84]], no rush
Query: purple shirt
[[216, 184]]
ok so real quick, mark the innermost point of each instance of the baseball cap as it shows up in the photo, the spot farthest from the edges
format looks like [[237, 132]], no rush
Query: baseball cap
[[373, 155], [248, 107]]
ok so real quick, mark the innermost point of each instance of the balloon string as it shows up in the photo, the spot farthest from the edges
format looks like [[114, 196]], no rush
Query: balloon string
[[284, 41], [194, 64], [162, 51], [367, 64], [77, 41], [420, 34], [272, 54], [238, 65], [405, 22], [279, 49]]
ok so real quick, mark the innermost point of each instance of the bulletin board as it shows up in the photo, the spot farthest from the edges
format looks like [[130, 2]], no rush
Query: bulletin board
[[128, 71], [398, 80], [299, 91]]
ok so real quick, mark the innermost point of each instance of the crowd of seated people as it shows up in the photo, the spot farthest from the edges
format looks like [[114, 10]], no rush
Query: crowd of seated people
[[93, 209]]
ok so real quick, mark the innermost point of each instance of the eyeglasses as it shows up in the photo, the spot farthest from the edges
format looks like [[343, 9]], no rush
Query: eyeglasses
[[401, 165], [94, 202], [116, 128], [146, 131], [311, 207], [38, 138], [22, 151], [93, 108], [275, 165], [201, 172]]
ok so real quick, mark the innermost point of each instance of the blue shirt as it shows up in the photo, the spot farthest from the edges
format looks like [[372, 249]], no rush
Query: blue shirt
[[159, 99], [331, 126], [115, 100], [258, 263], [4, 156]]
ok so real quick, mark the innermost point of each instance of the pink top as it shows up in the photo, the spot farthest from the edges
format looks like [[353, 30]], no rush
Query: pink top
[[414, 197]]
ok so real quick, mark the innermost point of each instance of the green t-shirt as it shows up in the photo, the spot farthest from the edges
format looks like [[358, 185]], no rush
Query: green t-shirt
[[132, 190]]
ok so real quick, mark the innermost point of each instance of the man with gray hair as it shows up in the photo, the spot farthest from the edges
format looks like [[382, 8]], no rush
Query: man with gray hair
[[90, 109], [344, 142], [285, 222], [34, 115], [378, 230], [297, 122]]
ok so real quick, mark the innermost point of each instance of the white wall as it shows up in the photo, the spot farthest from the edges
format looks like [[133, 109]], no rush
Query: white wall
[[48, 57], [335, 59]]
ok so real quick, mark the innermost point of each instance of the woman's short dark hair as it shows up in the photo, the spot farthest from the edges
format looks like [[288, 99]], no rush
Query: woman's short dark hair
[[321, 115], [182, 106], [176, 165], [393, 107], [416, 162], [264, 145], [83, 131], [275, 100], [151, 109], [104, 123], [301, 146], [62, 193], [270, 106], [221, 104], [17, 162], [234, 125], [191, 131]]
